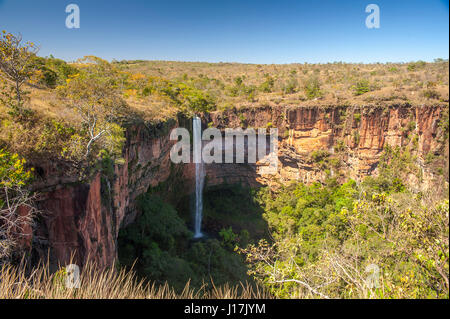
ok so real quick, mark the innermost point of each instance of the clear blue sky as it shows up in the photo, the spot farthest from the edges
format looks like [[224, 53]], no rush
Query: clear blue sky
[[252, 31]]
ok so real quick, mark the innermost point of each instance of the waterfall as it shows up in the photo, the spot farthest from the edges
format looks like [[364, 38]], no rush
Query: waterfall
[[199, 175]]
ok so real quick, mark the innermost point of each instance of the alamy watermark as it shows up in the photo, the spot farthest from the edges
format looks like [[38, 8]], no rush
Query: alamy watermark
[[253, 146], [373, 19], [73, 19], [373, 279], [73, 276]]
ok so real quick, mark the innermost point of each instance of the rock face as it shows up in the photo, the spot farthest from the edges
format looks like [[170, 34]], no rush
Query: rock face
[[77, 223], [361, 133], [82, 220]]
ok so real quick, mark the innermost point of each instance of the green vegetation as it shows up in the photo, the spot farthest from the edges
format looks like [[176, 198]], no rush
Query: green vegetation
[[323, 160], [12, 171], [357, 118], [163, 249], [291, 84], [356, 137], [52, 72], [327, 238], [319, 155], [234, 206], [323, 84], [312, 88], [248, 91], [431, 94], [361, 87], [416, 65], [268, 85], [91, 94]]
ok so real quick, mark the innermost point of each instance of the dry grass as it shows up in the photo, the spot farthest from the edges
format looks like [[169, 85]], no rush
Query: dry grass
[[106, 284], [390, 82], [152, 108]]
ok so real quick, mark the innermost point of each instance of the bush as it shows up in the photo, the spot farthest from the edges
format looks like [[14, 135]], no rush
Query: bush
[[361, 87], [240, 88], [319, 155], [53, 72], [416, 65], [356, 137], [431, 94], [268, 84], [340, 146], [312, 88], [229, 238], [290, 86]]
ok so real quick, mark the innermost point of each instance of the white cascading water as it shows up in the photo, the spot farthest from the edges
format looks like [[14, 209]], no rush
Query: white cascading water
[[199, 176]]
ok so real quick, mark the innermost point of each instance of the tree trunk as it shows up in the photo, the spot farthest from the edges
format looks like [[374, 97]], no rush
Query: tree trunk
[[19, 100]]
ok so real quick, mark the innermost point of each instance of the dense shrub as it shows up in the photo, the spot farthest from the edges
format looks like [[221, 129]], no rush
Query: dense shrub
[[319, 155], [268, 85], [52, 72], [290, 86], [414, 66], [431, 94], [312, 88]]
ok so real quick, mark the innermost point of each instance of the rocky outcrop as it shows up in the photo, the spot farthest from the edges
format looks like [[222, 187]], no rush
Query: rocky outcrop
[[82, 219], [361, 133], [77, 225]]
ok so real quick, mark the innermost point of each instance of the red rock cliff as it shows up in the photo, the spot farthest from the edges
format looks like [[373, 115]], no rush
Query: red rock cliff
[[84, 218]]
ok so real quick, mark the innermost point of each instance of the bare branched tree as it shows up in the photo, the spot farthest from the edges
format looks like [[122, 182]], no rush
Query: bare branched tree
[[97, 103], [16, 218], [17, 207]]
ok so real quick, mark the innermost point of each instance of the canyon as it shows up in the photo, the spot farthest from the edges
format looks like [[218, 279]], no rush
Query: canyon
[[80, 220]]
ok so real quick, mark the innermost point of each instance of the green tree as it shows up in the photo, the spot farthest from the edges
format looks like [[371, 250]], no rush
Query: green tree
[[229, 238], [15, 63]]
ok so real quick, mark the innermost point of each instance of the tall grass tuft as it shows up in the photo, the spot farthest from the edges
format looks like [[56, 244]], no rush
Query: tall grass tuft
[[110, 283]]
